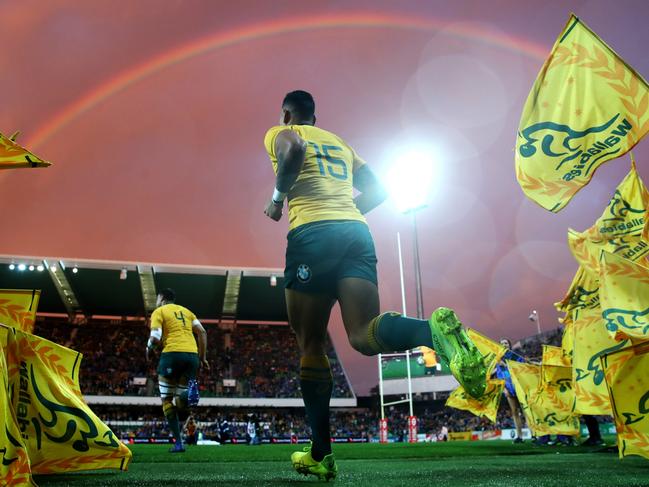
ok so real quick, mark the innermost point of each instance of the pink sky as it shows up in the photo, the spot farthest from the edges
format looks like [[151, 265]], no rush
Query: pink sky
[[154, 113]]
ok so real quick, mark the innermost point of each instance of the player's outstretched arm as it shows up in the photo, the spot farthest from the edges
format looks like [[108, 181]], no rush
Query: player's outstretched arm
[[372, 192], [200, 332], [290, 149]]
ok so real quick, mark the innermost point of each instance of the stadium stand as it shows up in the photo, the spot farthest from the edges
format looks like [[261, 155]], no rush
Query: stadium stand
[[259, 358]]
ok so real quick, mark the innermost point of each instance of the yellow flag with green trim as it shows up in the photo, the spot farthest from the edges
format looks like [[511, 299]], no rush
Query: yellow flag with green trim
[[628, 386], [491, 351], [624, 294], [58, 428], [18, 308], [587, 106], [15, 468], [13, 156], [486, 406]]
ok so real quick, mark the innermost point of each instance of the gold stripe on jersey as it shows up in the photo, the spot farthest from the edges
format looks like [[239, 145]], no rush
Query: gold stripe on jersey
[[324, 188], [176, 324]]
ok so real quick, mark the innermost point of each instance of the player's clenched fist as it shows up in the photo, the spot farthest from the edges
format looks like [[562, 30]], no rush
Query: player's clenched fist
[[274, 210]]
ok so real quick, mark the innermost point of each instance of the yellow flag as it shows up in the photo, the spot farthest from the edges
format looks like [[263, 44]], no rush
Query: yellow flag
[[591, 341], [15, 469], [567, 348], [491, 351], [587, 106], [583, 292], [557, 395], [587, 250], [554, 356], [628, 386], [13, 156], [18, 308], [624, 215], [624, 294], [547, 407], [60, 431], [486, 406], [526, 379]]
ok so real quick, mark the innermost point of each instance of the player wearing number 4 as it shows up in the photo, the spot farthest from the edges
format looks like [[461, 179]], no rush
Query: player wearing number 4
[[330, 257], [174, 326]]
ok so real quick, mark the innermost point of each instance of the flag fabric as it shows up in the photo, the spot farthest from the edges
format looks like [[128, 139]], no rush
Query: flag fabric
[[525, 378], [546, 407], [624, 294], [491, 351], [13, 156], [567, 347], [591, 341], [624, 215], [583, 288], [554, 356], [587, 250], [620, 228], [58, 428], [486, 406], [628, 386], [15, 468], [18, 308], [587, 106]]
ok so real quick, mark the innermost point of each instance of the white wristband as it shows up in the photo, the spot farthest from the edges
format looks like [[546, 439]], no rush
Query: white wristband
[[278, 196]]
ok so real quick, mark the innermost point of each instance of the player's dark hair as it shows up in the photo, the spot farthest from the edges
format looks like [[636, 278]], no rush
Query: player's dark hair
[[168, 295], [300, 103]]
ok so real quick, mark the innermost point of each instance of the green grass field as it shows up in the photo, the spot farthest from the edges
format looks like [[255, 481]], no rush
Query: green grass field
[[458, 463]]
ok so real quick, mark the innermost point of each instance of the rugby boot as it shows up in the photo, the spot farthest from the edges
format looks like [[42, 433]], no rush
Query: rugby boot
[[304, 463], [452, 343]]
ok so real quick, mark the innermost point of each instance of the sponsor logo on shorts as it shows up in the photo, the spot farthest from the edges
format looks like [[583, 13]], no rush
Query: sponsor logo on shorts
[[303, 273], [169, 370]]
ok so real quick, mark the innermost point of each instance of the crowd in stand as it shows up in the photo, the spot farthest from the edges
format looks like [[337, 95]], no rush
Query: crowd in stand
[[259, 360], [262, 360]]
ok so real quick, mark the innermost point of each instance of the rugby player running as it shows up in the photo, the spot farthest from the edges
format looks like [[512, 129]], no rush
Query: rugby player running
[[330, 257], [174, 326]]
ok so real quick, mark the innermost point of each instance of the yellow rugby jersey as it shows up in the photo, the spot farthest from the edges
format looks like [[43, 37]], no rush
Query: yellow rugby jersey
[[324, 188], [176, 324]]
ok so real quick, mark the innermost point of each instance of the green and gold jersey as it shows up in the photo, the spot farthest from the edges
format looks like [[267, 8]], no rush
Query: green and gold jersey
[[176, 324], [324, 188]]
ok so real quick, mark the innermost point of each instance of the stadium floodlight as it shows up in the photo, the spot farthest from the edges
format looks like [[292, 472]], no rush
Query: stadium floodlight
[[40, 268], [31, 267], [534, 317], [22, 267], [12, 267], [75, 270], [409, 180]]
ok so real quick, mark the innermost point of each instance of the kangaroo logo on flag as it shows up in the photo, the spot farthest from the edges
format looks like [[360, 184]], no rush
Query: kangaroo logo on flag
[[567, 136], [627, 320], [587, 106]]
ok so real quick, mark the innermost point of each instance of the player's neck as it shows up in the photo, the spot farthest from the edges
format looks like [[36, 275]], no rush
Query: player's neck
[[302, 122]]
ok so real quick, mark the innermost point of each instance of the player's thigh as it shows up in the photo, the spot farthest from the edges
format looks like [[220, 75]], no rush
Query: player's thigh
[[359, 303], [308, 315], [169, 371]]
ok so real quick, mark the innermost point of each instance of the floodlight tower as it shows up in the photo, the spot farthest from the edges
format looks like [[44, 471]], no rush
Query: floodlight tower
[[410, 180]]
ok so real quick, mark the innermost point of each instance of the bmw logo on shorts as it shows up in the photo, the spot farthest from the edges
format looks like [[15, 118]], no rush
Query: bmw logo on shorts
[[303, 273]]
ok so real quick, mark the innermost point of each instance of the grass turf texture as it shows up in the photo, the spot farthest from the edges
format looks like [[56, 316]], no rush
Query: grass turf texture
[[457, 463]]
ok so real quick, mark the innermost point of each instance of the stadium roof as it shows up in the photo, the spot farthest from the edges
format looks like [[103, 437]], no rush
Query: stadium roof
[[92, 288]]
